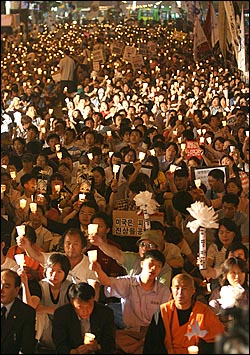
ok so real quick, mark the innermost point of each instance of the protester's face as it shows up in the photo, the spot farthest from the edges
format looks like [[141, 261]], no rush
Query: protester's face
[[85, 214], [170, 153], [151, 268], [235, 276], [55, 274], [225, 235], [232, 188], [30, 186], [98, 178], [102, 230], [89, 139], [229, 209], [182, 291], [145, 245], [41, 161], [83, 308], [181, 183], [8, 289], [73, 245]]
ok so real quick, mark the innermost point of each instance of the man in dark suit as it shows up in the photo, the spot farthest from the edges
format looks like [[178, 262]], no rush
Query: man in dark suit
[[17, 318], [83, 315]]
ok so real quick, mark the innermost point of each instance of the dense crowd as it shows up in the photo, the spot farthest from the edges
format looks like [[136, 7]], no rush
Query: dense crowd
[[91, 117]]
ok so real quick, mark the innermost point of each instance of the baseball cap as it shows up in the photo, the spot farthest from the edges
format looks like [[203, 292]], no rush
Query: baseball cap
[[151, 235]]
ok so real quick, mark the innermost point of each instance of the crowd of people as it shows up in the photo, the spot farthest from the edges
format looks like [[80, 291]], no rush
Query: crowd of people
[[91, 117]]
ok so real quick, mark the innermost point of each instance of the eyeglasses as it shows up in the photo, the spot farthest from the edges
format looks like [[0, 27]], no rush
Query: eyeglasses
[[147, 245]]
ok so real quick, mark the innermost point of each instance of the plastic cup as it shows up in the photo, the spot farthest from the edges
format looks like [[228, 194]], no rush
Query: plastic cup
[[92, 228], [19, 259], [88, 338]]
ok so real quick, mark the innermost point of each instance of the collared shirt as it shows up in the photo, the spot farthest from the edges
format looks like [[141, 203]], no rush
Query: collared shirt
[[138, 304], [8, 307]]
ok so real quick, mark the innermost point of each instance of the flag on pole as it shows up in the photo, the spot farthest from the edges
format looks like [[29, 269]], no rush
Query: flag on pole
[[231, 20], [211, 26], [242, 53], [200, 42]]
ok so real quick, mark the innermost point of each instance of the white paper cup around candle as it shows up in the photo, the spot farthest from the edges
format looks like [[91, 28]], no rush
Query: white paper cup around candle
[[110, 154], [247, 133], [172, 168], [175, 133], [59, 155], [23, 203], [204, 130], [152, 152], [57, 146], [180, 117], [88, 338], [92, 255], [232, 148], [51, 111], [57, 188], [202, 140], [20, 259], [209, 140], [197, 183], [141, 156], [90, 156], [92, 282], [20, 230], [82, 197], [179, 140], [4, 166], [13, 175], [116, 168], [92, 228], [193, 349], [43, 129], [109, 133], [199, 131], [183, 146], [33, 207], [224, 113], [224, 123]]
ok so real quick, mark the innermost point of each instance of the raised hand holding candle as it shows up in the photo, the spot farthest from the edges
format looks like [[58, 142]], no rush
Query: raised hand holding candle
[[13, 175], [141, 156], [33, 207], [81, 197], [92, 229], [23, 203], [20, 230], [183, 146], [92, 255], [197, 183], [172, 168]]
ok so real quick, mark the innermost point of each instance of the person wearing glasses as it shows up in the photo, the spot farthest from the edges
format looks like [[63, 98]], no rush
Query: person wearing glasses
[[131, 261]]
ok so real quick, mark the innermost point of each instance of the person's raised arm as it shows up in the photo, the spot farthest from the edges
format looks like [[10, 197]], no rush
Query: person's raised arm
[[102, 276], [110, 250], [24, 243]]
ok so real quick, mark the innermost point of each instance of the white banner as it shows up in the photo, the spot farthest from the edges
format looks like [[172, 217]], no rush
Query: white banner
[[229, 9], [242, 53]]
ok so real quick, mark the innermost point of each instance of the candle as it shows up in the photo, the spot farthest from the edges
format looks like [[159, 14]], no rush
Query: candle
[[204, 130], [209, 140], [4, 166], [92, 229], [57, 188], [57, 146], [197, 183], [20, 259], [92, 255], [82, 197], [3, 188], [90, 156], [20, 230], [224, 113], [59, 155], [33, 207], [202, 139], [172, 168], [152, 152], [224, 123], [193, 349], [13, 175], [175, 133], [88, 338], [199, 131], [43, 129], [180, 117], [110, 154], [179, 140], [109, 133], [23, 203], [141, 156], [183, 146], [51, 111], [247, 133]]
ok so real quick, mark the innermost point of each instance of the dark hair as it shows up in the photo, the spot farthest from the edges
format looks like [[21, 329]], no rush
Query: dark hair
[[30, 233], [26, 178], [156, 255], [173, 235], [157, 225], [229, 224], [217, 174], [51, 136], [236, 246], [231, 198], [56, 176], [73, 231], [228, 265], [174, 145], [14, 275], [136, 187], [181, 201], [99, 169], [181, 173], [62, 260], [81, 290], [237, 182], [104, 216]]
